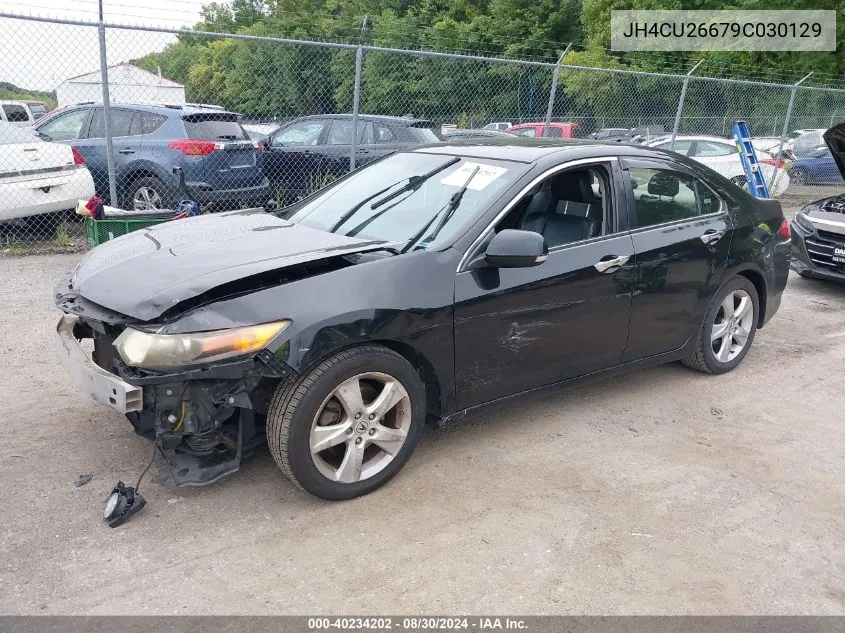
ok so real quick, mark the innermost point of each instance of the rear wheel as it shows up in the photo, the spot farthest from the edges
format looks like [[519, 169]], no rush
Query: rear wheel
[[350, 424], [728, 328], [146, 193], [798, 177]]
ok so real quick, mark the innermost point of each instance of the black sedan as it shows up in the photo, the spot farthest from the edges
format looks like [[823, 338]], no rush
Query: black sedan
[[431, 283]]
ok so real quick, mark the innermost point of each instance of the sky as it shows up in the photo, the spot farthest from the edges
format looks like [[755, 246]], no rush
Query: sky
[[41, 56]]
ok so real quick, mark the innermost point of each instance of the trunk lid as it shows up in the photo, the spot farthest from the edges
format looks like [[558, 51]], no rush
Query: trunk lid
[[234, 162]]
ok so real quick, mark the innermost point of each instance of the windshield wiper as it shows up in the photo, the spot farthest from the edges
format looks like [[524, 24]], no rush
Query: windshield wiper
[[449, 208], [413, 182]]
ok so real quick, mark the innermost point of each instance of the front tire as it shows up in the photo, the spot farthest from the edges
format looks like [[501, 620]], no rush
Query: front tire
[[798, 177], [350, 424], [728, 329]]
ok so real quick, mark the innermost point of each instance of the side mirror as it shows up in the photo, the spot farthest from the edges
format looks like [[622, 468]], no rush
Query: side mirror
[[512, 248]]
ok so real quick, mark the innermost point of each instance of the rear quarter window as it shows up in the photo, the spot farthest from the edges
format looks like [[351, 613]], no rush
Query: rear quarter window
[[214, 127]]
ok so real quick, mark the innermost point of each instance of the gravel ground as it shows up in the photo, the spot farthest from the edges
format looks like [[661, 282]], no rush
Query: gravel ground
[[663, 491]]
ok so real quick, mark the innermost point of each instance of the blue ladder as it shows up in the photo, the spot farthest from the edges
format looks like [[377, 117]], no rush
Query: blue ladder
[[753, 176]]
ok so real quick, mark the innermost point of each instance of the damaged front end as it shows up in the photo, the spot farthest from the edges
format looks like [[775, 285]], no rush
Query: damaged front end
[[205, 418]]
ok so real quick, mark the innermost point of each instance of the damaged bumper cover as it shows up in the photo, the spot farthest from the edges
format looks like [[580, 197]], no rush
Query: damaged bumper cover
[[204, 418], [102, 386]]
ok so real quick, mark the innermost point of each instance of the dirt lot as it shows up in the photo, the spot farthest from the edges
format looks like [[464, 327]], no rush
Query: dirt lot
[[663, 491]]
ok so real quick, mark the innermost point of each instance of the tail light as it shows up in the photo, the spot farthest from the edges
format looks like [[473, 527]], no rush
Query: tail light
[[258, 145], [784, 230], [77, 156], [777, 164], [192, 147]]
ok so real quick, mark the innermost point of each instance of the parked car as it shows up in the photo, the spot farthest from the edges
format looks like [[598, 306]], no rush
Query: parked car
[[38, 178], [218, 160], [459, 133], [612, 135], [17, 113], [803, 141], [818, 247], [815, 167], [310, 152], [422, 286], [535, 130], [260, 132], [498, 125], [722, 156], [37, 108]]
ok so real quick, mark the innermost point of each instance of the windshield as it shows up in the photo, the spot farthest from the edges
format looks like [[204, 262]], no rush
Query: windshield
[[402, 193]]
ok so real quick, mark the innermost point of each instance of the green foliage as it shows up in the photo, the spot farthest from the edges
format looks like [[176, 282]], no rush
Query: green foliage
[[10, 92], [272, 80]]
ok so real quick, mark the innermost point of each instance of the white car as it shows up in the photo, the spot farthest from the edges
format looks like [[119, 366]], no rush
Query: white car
[[38, 177], [16, 113], [722, 156], [498, 125]]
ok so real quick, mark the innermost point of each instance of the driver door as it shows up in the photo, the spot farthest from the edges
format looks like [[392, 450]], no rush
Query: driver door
[[518, 329], [292, 160]]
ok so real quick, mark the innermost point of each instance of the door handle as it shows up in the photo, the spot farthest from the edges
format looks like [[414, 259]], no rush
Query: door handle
[[711, 236], [126, 150], [605, 265]]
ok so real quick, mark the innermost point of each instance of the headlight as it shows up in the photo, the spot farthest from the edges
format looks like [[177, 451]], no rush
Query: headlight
[[142, 349]]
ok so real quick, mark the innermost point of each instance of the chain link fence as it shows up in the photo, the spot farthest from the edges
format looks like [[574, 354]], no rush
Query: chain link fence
[[233, 121]]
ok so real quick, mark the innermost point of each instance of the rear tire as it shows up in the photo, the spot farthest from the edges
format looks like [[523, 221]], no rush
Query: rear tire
[[728, 329], [147, 192], [320, 410], [798, 177]]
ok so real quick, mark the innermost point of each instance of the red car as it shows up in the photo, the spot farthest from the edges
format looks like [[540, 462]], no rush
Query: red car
[[535, 130]]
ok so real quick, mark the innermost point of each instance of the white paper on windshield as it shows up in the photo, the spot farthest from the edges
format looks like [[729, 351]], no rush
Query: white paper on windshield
[[486, 174]]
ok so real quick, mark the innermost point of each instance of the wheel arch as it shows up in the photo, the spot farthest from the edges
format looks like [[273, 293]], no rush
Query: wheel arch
[[423, 366], [759, 282]]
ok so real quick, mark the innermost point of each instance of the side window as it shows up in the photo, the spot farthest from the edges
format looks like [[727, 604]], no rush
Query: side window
[[383, 134], [303, 133], [15, 113], [529, 131], [121, 122], [554, 132], [712, 148], [341, 132], [146, 123], [65, 127], [567, 207], [679, 147], [664, 195]]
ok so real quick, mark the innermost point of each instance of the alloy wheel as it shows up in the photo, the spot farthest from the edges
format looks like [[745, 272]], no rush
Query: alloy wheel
[[146, 198], [732, 326], [360, 427]]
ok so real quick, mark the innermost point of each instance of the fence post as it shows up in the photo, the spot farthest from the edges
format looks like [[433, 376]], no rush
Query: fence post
[[552, 92], [677, 123], [783, 134], [356, 96], [104, 73]]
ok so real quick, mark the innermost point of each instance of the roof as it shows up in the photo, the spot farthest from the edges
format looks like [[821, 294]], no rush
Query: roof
[[401, 120], [521, 149], [150, 107], [94, 76]]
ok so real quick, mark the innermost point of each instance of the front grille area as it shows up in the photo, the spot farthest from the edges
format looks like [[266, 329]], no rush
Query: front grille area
[[822, 249]]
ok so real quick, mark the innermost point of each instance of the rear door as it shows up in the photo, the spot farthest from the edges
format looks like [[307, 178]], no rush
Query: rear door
[[93, 146], [234, 162], [337, 151], [681, 232], [292, 158]]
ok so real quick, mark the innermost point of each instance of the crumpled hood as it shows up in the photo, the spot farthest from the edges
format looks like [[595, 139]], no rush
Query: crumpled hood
[[149, 271]]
